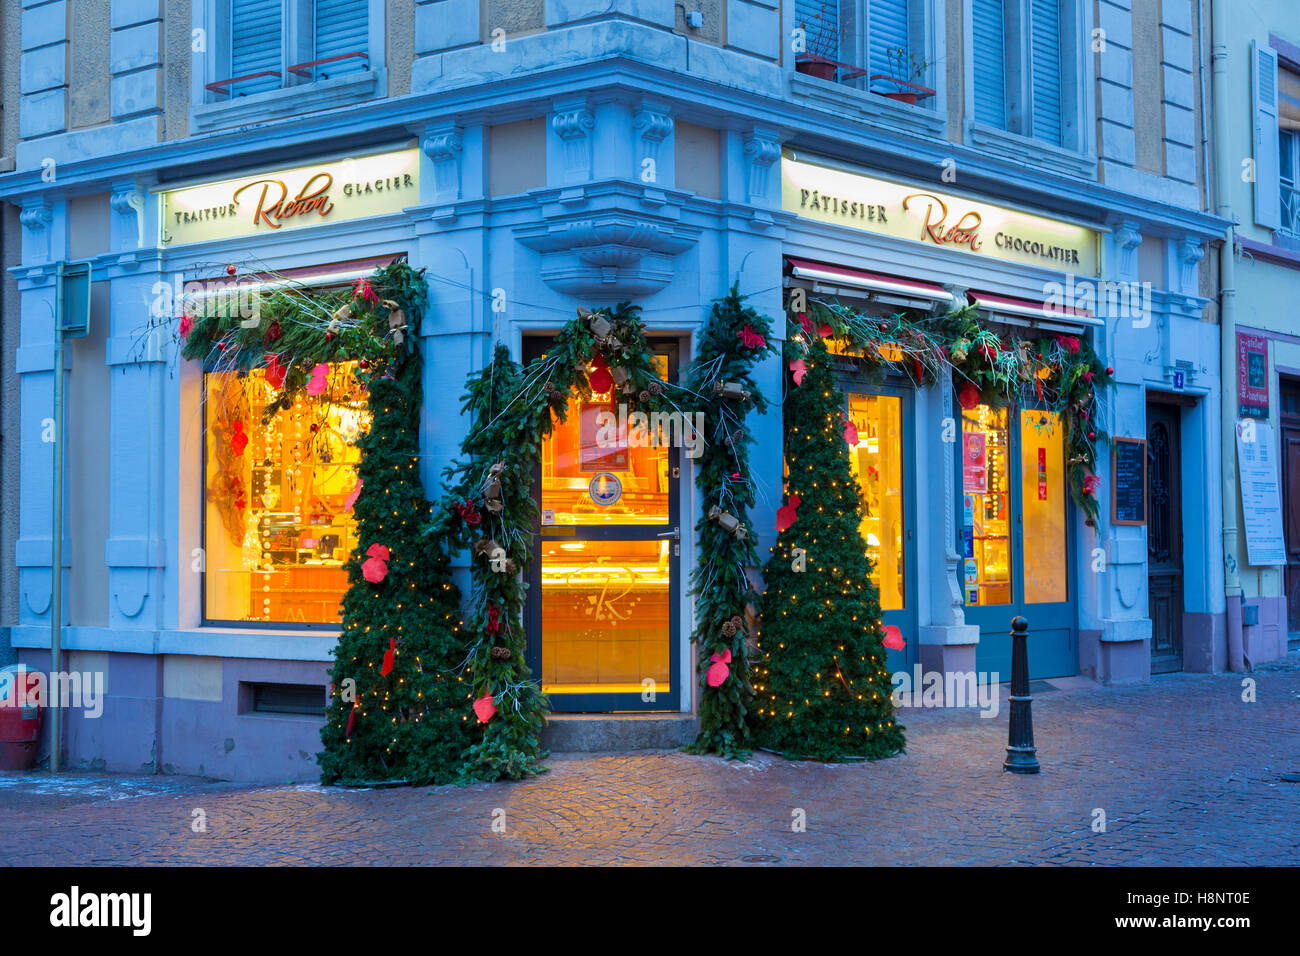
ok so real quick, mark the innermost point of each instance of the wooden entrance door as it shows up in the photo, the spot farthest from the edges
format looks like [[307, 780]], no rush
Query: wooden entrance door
[[1290, 434], [1164, 538]]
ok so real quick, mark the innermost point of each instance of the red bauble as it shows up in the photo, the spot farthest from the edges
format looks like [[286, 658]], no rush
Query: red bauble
[[1109, 370], [230, 270], [1091, 435], [329, 336]]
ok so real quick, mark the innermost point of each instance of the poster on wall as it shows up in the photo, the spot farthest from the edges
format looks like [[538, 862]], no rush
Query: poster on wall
[[1261, 496], [596, 452], [974, 463], [1252, 375]]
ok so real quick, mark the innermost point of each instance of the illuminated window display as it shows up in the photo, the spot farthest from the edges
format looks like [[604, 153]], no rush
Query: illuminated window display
[[1042, 496], [877, 463], [605, 616], [587, 479], [277, 528], [986, 513]]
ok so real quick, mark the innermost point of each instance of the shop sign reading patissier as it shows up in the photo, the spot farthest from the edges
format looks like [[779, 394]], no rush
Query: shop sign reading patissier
[[829, 194], [265, 203]]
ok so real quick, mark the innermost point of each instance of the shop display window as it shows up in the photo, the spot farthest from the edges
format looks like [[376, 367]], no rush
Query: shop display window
[[278, 528], [877, 464], [986, 511], [592, 476]]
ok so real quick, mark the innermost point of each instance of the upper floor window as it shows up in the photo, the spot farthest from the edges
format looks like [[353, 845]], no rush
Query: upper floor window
[[1276, 140], [271, 44], [875, 45], [1026, 68]]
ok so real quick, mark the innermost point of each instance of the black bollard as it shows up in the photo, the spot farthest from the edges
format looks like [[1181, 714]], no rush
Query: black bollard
[[1021, 753]]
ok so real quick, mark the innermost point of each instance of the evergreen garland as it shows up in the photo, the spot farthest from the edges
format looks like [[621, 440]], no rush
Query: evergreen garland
[[822, 686], [513, 410], [724, 596]]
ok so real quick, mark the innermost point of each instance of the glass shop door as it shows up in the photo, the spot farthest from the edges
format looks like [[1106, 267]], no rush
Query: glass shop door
[[1014, 543], [883, 468], [603, 606]]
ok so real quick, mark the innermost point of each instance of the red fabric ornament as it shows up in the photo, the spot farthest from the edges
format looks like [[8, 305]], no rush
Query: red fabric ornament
[[600, 379], [807, 325], [969, 396], [374, 570], [468, 512], [378, 551], [719, 672], [352, 496], [800, 369], [920, 370], [825, 331], [788, 514], [352, 716], [894, 638], [187, 325], [494, 619], [387, 667], [275, 372], [751, 339], [850, 432], [238, 440], [319, 379], [485, 708], [1068, 342], [989, 352], [362, 290], [1088, 375], [274, 332], [1090, 483]]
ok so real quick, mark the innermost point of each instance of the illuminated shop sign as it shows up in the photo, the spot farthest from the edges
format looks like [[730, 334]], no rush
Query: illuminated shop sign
[[922, 214], [266, 203]]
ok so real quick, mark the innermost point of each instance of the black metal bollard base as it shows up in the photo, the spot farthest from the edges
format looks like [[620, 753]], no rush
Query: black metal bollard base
[[1021, 752]]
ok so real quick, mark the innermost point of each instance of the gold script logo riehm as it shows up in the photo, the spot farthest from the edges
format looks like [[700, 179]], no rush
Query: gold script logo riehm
[[965, 231], [272, 209]]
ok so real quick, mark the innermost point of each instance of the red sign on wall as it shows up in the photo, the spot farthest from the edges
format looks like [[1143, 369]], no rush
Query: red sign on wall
[[1252, 375], [1042, 474]]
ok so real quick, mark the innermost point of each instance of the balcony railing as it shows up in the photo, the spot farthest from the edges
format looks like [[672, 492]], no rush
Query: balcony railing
[[1291, 210]]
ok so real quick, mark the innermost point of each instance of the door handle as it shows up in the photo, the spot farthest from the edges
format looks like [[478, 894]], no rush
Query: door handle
[[675, 534]]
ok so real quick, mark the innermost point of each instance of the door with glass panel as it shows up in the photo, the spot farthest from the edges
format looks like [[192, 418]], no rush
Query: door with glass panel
[[603, 605], [882, 416], [1014, 544]]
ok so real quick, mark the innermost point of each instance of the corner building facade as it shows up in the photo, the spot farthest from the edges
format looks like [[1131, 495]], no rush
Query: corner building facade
[[535, 157]]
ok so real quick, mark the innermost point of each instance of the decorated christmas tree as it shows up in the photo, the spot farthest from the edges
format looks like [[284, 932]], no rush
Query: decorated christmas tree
[[398, 710], [822, 687]]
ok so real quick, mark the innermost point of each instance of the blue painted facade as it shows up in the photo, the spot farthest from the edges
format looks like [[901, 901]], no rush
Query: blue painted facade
[[533, 181]]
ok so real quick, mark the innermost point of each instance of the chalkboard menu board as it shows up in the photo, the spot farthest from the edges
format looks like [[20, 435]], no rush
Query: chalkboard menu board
[[1129, 481]]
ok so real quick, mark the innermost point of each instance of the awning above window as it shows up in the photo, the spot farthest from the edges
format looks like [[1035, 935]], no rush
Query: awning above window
[[1034, 312], [893, 290]]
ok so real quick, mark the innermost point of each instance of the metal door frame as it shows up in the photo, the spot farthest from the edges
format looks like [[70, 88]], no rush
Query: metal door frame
[[669, 701]]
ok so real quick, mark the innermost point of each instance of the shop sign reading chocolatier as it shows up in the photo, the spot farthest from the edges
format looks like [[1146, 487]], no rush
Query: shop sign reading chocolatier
[[265, 203], [830, 194]]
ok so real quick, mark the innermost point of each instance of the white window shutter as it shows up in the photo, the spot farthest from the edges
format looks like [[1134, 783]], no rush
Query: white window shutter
[[256, 29], [341, 26], [887, 29], [820, 20], [1046, 64], [989, 66], [1268, 193]]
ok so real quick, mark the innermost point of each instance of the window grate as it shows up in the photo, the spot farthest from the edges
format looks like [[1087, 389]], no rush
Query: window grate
[[288, 699]]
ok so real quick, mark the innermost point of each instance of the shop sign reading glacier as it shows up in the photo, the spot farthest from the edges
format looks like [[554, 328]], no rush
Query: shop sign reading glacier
[[265, 203], [830, 194]]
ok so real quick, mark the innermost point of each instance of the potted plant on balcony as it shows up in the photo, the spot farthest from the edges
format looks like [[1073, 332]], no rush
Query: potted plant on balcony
[[904, 70], [822, 42]]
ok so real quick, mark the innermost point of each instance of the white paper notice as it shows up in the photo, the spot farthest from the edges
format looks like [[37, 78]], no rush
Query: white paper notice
[[1261, 497]]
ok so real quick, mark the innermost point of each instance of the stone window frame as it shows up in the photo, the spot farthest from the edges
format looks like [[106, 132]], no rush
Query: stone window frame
[[1078, 156], [207, 112]]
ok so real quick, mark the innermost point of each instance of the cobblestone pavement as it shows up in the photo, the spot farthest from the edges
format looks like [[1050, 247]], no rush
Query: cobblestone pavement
[[1184, 770]]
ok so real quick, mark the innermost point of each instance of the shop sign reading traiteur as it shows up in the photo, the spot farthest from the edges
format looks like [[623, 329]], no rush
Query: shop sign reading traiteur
[[265, 203], [829, 194]]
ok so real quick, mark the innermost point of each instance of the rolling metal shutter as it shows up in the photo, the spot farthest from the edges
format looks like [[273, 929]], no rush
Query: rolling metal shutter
[[341, 26]]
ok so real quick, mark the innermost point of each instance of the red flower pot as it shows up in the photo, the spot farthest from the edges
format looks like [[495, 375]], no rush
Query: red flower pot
[[817, 66]]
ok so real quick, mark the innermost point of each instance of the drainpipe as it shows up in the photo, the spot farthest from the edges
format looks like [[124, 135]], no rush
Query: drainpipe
[[56, 537], [1227, 336]]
